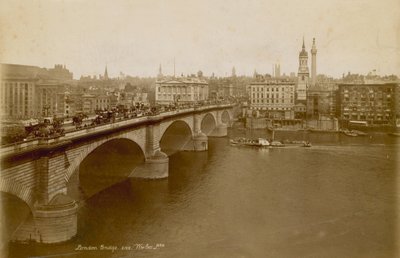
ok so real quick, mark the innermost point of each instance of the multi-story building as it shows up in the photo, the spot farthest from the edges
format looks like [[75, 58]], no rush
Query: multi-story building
[[397, 104], [73, 103], [46, 98], [30, 91], [60, 72], [181, 90], [102, 102], [321, 102], [272, 96], [371, 103], [17, 98], [88, 103]]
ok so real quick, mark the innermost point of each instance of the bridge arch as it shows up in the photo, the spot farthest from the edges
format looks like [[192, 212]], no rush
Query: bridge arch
[[24, 193], [86, 149], [175, 137], [107, 164], [208, 123], [16, 213], [226, 117]]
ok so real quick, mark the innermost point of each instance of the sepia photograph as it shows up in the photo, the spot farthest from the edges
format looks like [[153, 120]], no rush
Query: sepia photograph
[[199, 128]]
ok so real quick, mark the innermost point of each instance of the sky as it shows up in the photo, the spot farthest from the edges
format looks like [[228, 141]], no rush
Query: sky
[[136, 36]]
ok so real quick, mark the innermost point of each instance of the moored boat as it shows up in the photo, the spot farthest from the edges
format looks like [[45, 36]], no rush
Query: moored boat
[[259, 142], [359, 133], [350, 133], [277, 144]]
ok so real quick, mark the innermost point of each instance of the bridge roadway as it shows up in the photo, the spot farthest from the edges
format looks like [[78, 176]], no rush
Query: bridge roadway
[[38, 171]]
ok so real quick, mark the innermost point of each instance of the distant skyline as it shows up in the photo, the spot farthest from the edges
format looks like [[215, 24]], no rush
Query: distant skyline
[[135, 37]]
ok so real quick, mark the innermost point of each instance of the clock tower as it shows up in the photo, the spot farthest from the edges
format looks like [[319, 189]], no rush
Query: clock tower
[[302, 75]]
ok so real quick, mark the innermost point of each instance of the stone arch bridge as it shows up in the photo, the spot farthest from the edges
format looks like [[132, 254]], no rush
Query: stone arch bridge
[[38, 171]]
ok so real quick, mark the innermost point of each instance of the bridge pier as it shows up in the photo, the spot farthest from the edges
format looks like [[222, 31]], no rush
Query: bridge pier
[[154, 167], [199, 142], [52, 223], [220, 130], [156, 162]]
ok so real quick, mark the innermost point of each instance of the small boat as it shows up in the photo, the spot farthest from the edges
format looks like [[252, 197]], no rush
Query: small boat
[[233, 142], [359, 133], [237, 141], [306, 144], [277, 144], [351, 134], [259, 142]]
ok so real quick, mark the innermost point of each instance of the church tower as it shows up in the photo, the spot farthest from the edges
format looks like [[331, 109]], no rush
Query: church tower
[[233, 72], [302, 75], [160, 75], [313, 64], [106, 74]]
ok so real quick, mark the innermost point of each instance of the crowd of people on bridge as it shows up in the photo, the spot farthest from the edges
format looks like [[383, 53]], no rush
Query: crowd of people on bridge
[[55, 127]]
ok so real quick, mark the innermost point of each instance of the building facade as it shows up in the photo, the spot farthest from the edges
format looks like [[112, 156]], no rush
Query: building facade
[[272, 95], [372, 103], [60, 72], [397, 103], [30, 91], [181, 90], [17, 98], [46, 98], [321, 103], [88, 103]]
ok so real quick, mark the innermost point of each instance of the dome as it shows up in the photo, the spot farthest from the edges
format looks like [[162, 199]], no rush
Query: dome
[[303, 53]]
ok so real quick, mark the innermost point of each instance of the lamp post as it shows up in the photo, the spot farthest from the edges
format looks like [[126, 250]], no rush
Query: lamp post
[[46, 109]]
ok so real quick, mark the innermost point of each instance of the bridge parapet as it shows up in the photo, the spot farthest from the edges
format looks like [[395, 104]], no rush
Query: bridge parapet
[[85, 132]]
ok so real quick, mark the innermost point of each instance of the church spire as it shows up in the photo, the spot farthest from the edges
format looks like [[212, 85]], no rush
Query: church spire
[[106, 74], [303, 50], [160, 75]]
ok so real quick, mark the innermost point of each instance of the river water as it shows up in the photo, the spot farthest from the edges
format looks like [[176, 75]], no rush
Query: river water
[[336, 199]]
